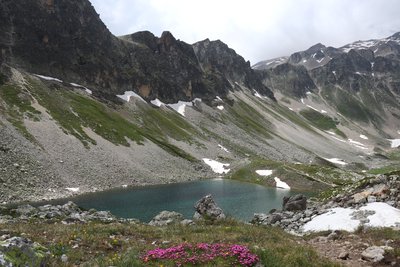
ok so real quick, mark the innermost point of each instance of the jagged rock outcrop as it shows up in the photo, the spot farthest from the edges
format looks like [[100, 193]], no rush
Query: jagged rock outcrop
[[207, 209], [67, 40], [294, 203], [216, 58], [291, 80]]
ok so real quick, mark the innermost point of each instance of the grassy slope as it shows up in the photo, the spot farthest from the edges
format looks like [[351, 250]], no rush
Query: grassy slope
[[123, 244], [299, 176], [73, 111]]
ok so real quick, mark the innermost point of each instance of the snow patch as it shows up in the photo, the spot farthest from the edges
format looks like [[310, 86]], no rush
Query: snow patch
[[358, 144], [336, 161], [72, 189], [128, 94], [124, 186], [180, 107], [220, 107], [334, 137], [394, 143], [312, 108], [264, 172], [334, 219], [47, 78], [281, 184], [291, 109], [363, 137], [343, 218], [320, 60], [81, 86], [324, 111], [223, 148], [257, 95], [157, 102], [302, 100], [308, 93], [216, 166]]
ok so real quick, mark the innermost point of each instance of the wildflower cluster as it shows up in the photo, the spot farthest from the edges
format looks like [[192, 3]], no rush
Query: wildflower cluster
[[203, 253]]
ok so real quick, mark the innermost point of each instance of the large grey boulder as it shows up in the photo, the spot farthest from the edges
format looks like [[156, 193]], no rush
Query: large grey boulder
[[294, 203], [373, 254], [166, 218], [206, 208]]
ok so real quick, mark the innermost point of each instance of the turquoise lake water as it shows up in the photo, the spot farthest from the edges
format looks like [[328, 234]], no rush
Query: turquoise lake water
[[238, 199]]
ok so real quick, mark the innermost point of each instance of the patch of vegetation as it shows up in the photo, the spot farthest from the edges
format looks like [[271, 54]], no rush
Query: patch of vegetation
[[340, 133], [250, 120], [19, 107], [74, 112], [298, 176], [385, 169], [99, 244], [294, 117], [318, 119], [164, 124], [3, 79]]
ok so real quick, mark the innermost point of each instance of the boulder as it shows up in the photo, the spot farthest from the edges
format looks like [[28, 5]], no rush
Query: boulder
[[380, 189], [206, 208], [373, 254], [294, 203], [166, 218], [29, 253], [25, 210], [361, 197]]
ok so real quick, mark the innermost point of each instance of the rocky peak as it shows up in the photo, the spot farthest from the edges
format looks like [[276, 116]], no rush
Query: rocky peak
[[166, 41], [216, 57], [143, 37], [315, 48], [66, 39]]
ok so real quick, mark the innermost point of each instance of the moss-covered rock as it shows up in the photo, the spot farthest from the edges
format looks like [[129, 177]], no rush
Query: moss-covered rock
[[20, 251]]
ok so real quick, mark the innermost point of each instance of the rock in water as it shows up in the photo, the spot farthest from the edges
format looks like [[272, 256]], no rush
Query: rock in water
[[206, 208], [166, 218], [294, 203]]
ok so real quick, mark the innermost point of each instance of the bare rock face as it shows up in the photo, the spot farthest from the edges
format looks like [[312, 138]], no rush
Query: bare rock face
[[66, 39], [206, 208], [294, 203]]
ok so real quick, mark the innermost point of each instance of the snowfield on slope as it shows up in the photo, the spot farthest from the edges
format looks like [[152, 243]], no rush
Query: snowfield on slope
[[216, 166], [264, 172], [281, 184], [383, 215], [128, 94]]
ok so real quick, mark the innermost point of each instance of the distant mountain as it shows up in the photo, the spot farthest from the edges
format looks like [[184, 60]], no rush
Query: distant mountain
[[319, 55], [359, 82]]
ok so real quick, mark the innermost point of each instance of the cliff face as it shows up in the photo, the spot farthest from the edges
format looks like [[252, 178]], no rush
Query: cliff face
[[67, 39]]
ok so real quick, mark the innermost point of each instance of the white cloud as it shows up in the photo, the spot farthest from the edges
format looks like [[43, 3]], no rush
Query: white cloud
[[256, 29]]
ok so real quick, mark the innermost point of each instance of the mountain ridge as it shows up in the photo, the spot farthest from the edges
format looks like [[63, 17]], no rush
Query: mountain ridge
[[158, 110]]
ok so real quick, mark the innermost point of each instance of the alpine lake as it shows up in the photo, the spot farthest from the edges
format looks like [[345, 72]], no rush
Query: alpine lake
[[239, 200]]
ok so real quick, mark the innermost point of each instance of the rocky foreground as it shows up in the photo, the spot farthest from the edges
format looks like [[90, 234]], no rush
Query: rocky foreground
[[296, 213]]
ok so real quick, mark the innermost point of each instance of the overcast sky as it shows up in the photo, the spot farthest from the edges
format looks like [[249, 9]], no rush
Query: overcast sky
[[256, 29]]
